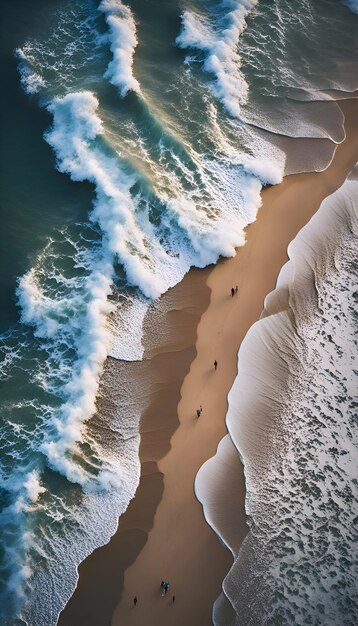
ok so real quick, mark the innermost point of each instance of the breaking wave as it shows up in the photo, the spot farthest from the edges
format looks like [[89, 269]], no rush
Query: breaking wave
[[218, 37], [123, 41]]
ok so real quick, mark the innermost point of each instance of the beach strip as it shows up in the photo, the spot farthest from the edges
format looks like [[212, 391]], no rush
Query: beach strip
[[163, 534]]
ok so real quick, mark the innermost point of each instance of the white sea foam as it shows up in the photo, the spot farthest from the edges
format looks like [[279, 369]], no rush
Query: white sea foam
[[123, 41], [152, 261], [32, 486], [36, 308], [9, 356], [126, 328], [82, 388], [219, 40], [26, 488], [31, 81], [76, 125], [268, 172], [67, 50]]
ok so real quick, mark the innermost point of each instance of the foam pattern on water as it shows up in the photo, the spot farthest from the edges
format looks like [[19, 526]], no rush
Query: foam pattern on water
[[296, 430]]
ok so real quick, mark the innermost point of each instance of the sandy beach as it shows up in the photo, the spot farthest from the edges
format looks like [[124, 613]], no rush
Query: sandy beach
[[163, 534]]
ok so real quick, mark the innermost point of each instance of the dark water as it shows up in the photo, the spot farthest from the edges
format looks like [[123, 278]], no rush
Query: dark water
[[116, 178]]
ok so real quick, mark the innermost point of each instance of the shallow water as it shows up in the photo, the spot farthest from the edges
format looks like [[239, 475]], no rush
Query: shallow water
[[132, 150], [296, 433]]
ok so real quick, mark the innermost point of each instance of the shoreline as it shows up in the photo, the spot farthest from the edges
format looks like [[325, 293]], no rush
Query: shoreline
[[181, 371], [280, 423]]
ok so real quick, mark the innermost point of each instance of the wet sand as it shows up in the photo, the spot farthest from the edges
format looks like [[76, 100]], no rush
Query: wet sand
[[163, 534]]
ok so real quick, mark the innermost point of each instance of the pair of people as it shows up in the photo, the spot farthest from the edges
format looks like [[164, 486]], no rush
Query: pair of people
[[234, 290]]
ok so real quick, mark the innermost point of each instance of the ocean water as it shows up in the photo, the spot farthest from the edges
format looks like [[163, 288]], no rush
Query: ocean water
[[137, 137], [296, 432]]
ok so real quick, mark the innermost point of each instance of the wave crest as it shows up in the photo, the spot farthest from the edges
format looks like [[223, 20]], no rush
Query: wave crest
[[123, 41], [220, 47]]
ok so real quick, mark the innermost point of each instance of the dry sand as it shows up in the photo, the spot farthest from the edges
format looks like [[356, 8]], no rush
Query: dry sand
[[163, 534]]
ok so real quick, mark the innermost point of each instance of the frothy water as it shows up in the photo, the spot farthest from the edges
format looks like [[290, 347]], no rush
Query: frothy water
[[296, 433], [174, 162], [123, 41], [218, 38]]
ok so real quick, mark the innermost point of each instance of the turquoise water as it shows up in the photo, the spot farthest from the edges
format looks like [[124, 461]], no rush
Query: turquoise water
[[136, 140]]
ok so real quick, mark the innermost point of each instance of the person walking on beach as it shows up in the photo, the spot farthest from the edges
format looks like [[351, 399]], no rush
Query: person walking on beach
[[201, 409], [232, 292], [236, 288], [165, 587], [198, 413], [135, 600], [215, 365]]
